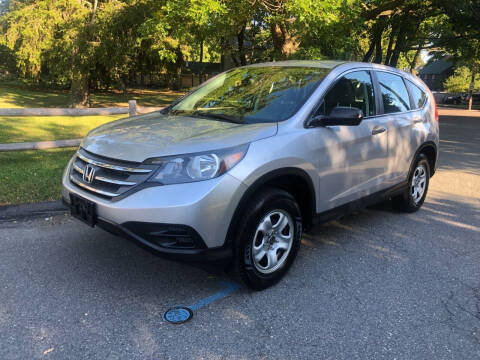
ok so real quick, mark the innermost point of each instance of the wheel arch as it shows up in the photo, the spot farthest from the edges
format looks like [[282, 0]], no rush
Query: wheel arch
[[429, 149], [292, 180]]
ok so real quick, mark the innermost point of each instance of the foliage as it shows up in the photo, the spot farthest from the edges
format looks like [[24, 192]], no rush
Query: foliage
[[91, 44], [460, 81]]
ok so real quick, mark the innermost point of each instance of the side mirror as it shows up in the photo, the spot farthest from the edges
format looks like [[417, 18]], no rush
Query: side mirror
[[340, 115]]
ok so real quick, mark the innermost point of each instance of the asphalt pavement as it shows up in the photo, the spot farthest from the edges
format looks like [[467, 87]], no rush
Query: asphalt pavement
[[374, 285]]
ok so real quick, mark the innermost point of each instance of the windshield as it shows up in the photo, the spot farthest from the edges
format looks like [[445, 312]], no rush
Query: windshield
[[253, 94]]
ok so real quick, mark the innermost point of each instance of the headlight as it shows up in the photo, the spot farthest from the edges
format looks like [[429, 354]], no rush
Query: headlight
[[196, 167]]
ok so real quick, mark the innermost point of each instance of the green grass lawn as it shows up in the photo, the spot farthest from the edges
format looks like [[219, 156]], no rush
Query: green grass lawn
[[41, 128], [14, 94], [32, 176], [35, 176]]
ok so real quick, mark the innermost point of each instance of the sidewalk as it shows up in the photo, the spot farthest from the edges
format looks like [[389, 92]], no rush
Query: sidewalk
[[458, 112]]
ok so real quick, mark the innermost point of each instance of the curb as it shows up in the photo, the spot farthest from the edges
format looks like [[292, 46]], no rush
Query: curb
[[62, 111], [22, 211]]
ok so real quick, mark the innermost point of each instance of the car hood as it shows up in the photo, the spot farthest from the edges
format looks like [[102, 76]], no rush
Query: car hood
[[151, 135]]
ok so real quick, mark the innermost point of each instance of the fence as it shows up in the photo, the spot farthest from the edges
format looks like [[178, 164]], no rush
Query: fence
[[131, 110]]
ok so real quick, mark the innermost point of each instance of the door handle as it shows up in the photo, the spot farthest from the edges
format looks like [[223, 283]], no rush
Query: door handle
[[378, 130], [417, 120]]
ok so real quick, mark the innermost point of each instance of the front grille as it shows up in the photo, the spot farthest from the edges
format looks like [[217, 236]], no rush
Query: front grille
[[110, 178]]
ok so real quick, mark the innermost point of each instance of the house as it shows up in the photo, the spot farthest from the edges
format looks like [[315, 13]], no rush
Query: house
[[435, 72]]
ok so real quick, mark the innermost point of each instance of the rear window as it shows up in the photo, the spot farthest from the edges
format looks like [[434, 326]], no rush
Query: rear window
[[394, 93], [418, 96]]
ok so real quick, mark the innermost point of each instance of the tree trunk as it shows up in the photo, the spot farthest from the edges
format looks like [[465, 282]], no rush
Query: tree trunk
[[200, 78], [413, 63], [470, 91], [241, 49], [277, 40], [94, 11], [378, 47], [179, 67], [399, 46], [283, 43], [376, 42], [234, 59], [80, 94], [123, 84], [222, 56], [393, 34], [79, 88], [369, 53]]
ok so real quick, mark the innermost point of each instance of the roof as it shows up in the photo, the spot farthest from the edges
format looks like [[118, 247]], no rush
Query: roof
[[435, 67]]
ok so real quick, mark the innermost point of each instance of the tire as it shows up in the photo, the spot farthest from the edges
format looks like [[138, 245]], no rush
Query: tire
[[255, 236], [412, 199]]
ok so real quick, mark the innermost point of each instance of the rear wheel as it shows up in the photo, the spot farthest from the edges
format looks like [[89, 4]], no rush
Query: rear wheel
[[412, 199], [268, 239]]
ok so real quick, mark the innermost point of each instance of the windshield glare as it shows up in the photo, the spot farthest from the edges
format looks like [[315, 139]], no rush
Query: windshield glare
[[253, 94]]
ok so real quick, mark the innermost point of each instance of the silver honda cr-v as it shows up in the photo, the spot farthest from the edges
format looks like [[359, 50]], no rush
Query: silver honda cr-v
[[238, 167]]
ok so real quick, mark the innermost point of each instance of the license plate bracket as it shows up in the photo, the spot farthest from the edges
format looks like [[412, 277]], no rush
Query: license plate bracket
[[83, 209]]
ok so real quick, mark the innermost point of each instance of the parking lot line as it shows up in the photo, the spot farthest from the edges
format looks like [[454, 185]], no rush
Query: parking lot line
[[228, 288], [181, 314]]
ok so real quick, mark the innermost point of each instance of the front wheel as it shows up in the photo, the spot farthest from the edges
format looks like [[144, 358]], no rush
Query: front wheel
[[268, 239], [412, 199]]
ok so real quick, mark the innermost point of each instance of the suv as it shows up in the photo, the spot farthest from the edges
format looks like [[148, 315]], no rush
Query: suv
[[240, 166]]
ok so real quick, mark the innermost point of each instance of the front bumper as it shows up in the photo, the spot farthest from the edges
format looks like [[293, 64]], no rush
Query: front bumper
[[203, 209]]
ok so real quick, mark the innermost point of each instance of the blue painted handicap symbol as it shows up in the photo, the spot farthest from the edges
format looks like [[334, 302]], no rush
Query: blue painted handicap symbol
[[178, 315]]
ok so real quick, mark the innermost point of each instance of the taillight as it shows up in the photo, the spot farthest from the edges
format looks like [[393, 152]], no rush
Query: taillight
[[436, 109]]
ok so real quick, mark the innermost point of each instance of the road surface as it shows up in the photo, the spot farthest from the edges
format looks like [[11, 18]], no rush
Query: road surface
[[374, 285]]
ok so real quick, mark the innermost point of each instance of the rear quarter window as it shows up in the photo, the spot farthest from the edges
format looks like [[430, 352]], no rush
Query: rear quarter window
[[394, 93], [418, 95]]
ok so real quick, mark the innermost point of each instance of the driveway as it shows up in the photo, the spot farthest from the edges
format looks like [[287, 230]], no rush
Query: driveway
[[374, 285]]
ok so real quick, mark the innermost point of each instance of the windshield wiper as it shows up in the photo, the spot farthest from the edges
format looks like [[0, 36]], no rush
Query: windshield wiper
[[216, 116]]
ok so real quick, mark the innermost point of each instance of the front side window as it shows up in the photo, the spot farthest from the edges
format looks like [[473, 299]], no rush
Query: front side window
[[394, 93], [353, 90], [418, 96], [253, 94]]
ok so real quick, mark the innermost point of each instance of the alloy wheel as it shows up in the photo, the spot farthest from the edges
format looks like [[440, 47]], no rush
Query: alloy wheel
[[272, 241]]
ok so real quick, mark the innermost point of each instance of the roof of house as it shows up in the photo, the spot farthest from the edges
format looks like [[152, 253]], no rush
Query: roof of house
[[435, 67]]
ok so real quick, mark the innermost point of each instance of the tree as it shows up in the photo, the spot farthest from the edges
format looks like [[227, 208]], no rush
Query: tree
[[37, 31], [462, 37], [460, 81], [399, 28]]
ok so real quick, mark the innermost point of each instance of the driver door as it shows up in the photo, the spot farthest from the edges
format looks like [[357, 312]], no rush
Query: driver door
[[351, 160]]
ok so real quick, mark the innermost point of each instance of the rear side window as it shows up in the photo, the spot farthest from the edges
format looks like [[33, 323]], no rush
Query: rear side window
[[418, 96], [354, 90], [394, 93]]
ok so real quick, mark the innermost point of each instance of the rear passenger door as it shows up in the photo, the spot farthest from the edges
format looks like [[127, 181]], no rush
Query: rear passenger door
[[352, 160], [403, 140]]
